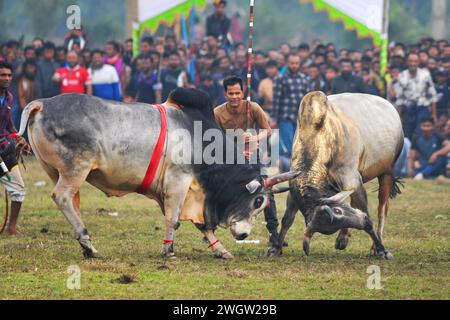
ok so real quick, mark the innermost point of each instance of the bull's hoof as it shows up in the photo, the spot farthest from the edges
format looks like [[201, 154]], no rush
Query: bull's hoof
[[223, 255], [341, 242], [274, 252], [381, 254], [89, 254], [169, 255], [384, 255]]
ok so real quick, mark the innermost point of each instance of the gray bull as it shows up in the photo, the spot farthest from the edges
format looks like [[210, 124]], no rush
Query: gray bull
[[341, 142], [79, 138]]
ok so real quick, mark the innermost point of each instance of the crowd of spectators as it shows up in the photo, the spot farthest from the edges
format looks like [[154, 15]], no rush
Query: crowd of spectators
[[417, 79]]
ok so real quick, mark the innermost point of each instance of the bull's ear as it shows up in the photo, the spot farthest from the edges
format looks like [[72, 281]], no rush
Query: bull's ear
[[253, 186], [339, 197]]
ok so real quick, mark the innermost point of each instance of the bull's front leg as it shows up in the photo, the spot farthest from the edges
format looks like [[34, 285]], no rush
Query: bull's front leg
[[217, 248], [378, 248], [286, 223]]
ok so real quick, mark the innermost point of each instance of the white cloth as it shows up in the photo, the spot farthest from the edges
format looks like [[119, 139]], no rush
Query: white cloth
[[15, 187]]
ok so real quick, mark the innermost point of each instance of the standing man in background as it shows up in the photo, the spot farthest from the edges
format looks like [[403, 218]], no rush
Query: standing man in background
[[416, 96], [288, 90], [15, 187], [73, 78], [105, 80]]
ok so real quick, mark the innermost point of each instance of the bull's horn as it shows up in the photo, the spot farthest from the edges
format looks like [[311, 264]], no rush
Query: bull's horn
[[270, 182], [340, 197], [280, 190], [252, 186]]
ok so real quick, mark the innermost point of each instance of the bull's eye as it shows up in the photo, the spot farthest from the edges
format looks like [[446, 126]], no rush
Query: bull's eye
[[258, 202], [337, 211]]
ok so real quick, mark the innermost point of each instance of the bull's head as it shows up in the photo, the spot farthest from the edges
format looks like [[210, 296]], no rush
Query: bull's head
[[256, 198], [331, 215]]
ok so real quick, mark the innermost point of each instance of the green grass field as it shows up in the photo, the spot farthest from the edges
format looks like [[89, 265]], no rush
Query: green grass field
[[35, 265]]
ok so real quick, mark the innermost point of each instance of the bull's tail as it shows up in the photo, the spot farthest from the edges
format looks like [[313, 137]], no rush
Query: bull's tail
[[395, 191], [27, 113]]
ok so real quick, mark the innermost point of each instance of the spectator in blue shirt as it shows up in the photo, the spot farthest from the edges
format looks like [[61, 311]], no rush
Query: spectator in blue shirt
[[105, 80], [425, 149]]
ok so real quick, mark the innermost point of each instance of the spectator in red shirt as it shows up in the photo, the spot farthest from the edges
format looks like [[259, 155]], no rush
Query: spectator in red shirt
[[73, 78]]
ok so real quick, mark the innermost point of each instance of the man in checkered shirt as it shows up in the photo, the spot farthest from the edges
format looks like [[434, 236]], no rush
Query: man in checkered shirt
[[288, 90]]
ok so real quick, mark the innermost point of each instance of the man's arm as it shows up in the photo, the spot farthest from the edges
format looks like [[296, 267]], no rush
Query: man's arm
[[442, 152], [412, 157]]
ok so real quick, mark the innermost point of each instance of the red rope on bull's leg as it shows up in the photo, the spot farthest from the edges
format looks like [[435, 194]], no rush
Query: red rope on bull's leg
[[213, 244]]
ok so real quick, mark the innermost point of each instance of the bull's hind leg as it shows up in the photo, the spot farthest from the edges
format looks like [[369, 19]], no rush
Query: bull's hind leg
[[385, 182], [64, 195], [358, 201], [173, 202]]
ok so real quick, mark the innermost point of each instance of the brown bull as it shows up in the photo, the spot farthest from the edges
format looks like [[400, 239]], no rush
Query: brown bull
[[341, 142]]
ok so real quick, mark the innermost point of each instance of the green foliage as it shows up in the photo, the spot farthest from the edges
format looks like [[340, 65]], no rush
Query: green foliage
[[103, 19], [294, 22]]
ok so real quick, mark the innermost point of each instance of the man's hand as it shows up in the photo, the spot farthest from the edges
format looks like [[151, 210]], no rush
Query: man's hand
[[56, 78], [128, 99], [273, 124], [433, 158], [248, 137]]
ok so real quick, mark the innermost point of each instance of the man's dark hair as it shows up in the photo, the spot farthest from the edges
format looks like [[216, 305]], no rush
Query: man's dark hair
[[28, 48], [346, 60], [224, 2], [49, 45], [61, 48], [334, 68], [149, 40], [412, 54], [366, 59], [6, 65], [28, 62], [232, 80], [271, 63], [129, 40], [97, 51], [427, 119], [314, 65], [303, 46], [292, 54], [145, 57], [114, 44], [13, 43]]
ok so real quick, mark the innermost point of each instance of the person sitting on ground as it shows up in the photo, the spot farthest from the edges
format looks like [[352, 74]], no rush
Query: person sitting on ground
[[427, 149]]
